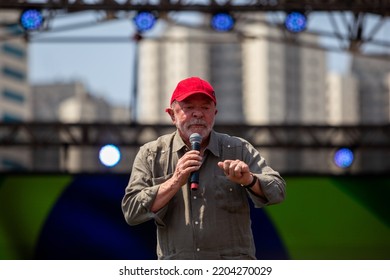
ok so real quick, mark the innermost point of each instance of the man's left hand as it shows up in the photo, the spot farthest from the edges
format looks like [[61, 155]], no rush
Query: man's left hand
[[236, 171]]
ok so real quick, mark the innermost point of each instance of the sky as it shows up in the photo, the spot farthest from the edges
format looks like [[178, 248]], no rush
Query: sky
[[106, 67]]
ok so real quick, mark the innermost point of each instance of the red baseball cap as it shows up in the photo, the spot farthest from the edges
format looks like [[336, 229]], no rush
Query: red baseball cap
[[190, 86]]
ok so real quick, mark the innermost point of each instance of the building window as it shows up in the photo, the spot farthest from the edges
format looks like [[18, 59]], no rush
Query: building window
[[13, 73], [14, 50], [13, 96], [11, 118]]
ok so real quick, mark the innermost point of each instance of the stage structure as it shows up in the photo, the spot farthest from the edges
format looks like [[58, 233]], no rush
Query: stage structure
[[348, 24], [380, 7], [132, 135], [351, 30]]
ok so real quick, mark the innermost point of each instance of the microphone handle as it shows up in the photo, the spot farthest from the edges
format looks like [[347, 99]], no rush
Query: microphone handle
[[194, 179]]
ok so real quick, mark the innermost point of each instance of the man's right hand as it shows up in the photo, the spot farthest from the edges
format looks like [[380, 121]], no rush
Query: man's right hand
[[190, 162]]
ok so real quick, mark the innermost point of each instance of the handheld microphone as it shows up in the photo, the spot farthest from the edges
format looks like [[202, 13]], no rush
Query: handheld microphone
[[195, 140]]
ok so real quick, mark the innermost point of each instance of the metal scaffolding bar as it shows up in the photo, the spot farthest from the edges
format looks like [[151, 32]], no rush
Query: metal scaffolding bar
[[132, 135], [380, 7]]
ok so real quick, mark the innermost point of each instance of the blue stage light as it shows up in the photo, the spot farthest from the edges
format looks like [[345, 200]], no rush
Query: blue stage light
[[343, 157], [31, 19], [222, 22], [109, 155], [295, 22], [144, 21]]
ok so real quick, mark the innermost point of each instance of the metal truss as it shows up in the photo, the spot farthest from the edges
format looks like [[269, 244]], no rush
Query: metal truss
[[132, 135], [347, 19], [380, 7]]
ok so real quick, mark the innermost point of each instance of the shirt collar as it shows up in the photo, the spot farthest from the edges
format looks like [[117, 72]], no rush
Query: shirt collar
[[178, 143], [213, 146]]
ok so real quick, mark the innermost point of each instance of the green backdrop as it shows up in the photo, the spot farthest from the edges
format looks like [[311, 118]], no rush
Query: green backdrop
[[62, 216]]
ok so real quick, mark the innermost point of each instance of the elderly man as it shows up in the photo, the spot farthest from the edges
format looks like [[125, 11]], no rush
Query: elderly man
[[213, 220]]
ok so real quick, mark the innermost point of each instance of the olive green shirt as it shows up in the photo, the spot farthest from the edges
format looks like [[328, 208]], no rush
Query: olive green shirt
[[212, 222]]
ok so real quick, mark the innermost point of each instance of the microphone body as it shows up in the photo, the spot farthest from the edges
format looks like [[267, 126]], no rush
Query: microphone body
[[195, 140]]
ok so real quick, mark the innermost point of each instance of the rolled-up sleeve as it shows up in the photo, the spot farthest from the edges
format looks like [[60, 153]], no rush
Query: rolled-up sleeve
[[272, 184], [274, 190], [141, 192]]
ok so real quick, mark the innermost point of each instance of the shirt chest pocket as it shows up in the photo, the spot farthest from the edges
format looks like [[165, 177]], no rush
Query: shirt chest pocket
[[229, 196], [161, 163]]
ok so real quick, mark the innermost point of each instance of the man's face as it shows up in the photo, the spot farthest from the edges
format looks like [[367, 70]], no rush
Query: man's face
[[194, 114]]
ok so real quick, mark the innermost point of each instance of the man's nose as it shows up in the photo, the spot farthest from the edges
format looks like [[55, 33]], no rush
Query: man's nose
[[197, 113]]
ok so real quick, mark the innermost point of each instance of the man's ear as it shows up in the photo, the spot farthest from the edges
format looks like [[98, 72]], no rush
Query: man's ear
[[170, 113]]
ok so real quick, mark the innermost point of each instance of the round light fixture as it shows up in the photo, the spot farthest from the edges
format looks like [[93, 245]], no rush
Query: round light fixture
[[295, 22], [144, 21], [222, 22], [343, 157], [109, 155], [31, 19]]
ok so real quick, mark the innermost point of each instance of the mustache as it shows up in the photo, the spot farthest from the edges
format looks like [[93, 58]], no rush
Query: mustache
[[197, 122]]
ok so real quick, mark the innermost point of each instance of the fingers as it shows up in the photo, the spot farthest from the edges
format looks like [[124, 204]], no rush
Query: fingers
[[234, 168], [192, 158], [190, 162]]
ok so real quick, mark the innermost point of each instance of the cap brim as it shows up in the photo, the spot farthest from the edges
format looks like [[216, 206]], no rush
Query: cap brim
[[188, 94]]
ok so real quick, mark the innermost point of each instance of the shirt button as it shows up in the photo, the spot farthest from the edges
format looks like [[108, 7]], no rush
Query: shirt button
[[198, 249], [231, 189], [195, 197], [196, 222]]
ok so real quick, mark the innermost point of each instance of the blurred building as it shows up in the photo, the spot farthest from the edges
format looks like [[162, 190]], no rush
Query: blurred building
[[15, 100], [284, 84], [71, 103], [374, 104], [342, 99], [225, 63], [183, 52], [161, 64], [47, 99], [372, 73]]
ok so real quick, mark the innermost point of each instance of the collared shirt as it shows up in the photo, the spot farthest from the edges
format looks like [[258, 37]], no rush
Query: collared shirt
[[212, 222]]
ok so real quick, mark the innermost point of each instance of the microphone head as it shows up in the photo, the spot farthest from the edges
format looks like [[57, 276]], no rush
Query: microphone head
[[195, 138]]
